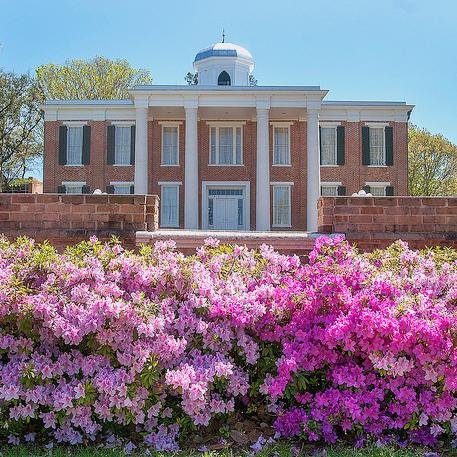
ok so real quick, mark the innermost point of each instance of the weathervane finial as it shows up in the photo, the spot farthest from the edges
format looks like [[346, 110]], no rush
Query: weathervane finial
[[223, 35]]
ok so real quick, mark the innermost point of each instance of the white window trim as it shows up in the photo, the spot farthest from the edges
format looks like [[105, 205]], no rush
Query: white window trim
[[234, 126], [377, 124], [247, 199], [176, 185], [75, 123], [73, 183], [326, 124], [377, 183], [169, 124], [281, 125], [282, 184], [123, 123], [121, 183]]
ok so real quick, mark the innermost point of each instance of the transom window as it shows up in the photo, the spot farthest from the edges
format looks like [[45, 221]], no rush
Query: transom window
[[123, 145], [377, 150], [170, 145], [226, 145], [281, 149], [328, 146], [74, 146]]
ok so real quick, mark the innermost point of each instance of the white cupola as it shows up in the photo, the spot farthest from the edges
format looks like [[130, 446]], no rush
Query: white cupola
[[223, 64]]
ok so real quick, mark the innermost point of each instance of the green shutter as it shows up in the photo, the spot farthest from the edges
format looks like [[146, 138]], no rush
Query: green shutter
[[390, 191], [341, 190], [86, 145], [86, 190], [132, 146], [61, 190], [110, 189], [111, 145], [389, 136], [320, 147], [367, 189], [63, 145], [340, 145], [365, 145], [132, 189]]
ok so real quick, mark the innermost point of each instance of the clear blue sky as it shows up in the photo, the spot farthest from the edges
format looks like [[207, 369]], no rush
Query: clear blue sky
[[395, 50]]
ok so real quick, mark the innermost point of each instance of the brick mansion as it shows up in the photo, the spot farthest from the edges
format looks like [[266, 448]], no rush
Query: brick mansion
[[224, 154]]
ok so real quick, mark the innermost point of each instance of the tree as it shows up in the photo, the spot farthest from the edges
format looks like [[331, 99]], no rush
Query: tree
[[20, 123], [192, 79], [95, 79], [432, 163]]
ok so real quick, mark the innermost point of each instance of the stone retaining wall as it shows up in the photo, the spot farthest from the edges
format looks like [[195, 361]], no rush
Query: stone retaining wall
[[376, 222], [65, 219]]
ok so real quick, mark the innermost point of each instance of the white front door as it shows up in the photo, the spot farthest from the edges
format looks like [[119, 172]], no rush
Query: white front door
[[225, 212]]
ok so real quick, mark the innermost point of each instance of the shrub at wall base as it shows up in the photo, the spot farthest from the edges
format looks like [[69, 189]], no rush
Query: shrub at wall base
[[100, 344]]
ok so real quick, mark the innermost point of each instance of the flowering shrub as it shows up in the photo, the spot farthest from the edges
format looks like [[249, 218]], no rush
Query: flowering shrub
[[101, 343]]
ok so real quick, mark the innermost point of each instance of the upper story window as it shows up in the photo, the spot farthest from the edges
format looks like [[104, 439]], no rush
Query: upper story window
[[74, 145], [121, 145], [332, 144], [224, 79], [377, 145], [281, 145], [226, 145], [170, 145]]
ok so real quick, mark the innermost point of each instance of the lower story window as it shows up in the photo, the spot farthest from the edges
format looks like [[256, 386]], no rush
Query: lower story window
[[379, 189], [73, 188], [169, 204], [281, 206]]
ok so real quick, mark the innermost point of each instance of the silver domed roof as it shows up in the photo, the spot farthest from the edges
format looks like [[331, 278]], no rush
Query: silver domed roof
[[224, 49]]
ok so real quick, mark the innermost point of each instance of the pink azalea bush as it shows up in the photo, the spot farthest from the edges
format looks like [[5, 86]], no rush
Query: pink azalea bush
[[100, 343]]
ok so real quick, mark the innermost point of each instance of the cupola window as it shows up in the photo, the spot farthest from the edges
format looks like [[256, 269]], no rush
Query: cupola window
[[224, 79]]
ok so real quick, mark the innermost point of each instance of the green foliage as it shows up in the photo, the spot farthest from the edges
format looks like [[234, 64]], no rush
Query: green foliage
[[432, 162], [20, 125], [94, 79]]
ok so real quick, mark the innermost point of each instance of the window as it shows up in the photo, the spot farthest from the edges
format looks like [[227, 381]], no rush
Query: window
[[332, 144], [281, 149], [169, 204], [225, 145], [377, 156], [170, 148], [224, 79], [379, 189], [334, 189], [120, 188], [281, 206], [328, 146], [121, 145], [74, 145], [377, 145], [73, 188]]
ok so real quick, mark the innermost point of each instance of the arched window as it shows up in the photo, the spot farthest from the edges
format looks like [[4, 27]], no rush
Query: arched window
[[224, 79]]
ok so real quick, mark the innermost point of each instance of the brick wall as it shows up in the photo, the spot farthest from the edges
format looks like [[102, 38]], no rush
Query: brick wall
[[353, 175], [376, 222], [68, 219]]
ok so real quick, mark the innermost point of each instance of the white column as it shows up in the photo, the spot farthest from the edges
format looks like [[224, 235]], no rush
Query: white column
[[313, 171], [262, 214], [141, 147], [191, 168]]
